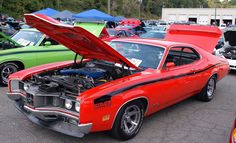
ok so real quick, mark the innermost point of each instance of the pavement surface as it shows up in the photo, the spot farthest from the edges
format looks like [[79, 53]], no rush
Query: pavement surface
[[189, 121]]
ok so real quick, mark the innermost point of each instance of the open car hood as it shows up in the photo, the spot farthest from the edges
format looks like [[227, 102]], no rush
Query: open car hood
[[230, 35], [77, 39], [205, 37]]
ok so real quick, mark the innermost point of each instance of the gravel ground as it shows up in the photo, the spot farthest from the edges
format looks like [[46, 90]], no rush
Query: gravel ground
[[190, 121]]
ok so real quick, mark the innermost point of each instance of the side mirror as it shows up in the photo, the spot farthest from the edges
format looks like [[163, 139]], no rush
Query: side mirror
[[47, 43], [170, 65]]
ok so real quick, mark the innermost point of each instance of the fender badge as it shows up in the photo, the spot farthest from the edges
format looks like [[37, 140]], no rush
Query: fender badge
[[105, 118]]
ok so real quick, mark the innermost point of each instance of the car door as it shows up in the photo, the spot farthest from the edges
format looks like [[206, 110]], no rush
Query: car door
[[50, 51], [177, 79]]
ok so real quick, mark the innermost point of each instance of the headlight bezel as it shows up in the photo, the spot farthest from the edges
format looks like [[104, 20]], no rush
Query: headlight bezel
[[77, 106], [25, 87], [68, 104]]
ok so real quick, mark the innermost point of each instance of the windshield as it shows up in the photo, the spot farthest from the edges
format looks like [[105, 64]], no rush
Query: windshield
[[150, 34], [27, 38], [141, 55]]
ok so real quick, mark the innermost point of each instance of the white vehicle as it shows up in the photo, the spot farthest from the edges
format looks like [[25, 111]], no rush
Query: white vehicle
[[222, 26], [229, 49]]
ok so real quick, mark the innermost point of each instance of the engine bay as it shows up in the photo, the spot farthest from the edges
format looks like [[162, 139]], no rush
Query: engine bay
[[76, 79], [229, 48]]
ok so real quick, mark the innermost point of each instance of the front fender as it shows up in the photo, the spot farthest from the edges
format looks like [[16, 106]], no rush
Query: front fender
[[103, 114]]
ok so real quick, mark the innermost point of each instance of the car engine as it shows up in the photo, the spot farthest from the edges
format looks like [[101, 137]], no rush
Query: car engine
[[229, 48], [229, 52], [74, 80]]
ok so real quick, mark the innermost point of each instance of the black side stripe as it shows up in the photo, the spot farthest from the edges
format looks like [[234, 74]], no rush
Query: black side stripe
[[158, 80], [39, 51]]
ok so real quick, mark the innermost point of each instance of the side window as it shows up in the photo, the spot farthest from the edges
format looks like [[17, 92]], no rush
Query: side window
[[181, 56], [174, 56], [189, 56]]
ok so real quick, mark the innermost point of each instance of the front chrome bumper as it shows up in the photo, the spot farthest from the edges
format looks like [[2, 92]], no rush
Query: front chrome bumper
[[15, 96], [53, 118], [43, 113]]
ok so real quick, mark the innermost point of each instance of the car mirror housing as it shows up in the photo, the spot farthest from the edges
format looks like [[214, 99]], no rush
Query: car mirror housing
[[170, 65], [47, 43]]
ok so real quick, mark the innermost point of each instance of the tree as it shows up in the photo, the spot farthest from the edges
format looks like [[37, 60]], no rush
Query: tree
[[128, 8]]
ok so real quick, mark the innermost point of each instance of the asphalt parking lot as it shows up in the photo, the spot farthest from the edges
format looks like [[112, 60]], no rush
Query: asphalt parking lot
[[190, 121]]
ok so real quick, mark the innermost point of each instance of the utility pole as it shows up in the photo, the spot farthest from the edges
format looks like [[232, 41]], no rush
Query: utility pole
[[215, 16], [1, 1], [57, 4], [109, 6], [140, 7]]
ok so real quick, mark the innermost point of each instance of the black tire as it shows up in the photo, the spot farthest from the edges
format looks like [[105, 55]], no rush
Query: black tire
[[3, 72], [208, 92], [118, 130]]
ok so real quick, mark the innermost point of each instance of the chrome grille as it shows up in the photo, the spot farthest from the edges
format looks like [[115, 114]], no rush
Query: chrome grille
[[30, 99]]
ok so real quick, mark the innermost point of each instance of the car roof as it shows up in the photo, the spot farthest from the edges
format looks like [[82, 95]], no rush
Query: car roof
[[121, 28], [157, 31], [162, 43], [30, 29]]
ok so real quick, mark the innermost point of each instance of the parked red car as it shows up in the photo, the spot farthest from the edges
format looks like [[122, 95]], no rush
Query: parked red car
[[119, 84], [118, 33], [133, 25], [233, 134]]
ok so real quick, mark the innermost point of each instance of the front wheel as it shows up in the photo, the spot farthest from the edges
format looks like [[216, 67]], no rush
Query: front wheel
[[208, 92], [128, 121], [5, 70]]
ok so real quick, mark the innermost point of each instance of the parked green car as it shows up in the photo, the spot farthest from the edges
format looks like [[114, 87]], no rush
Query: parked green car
[[29, 48]]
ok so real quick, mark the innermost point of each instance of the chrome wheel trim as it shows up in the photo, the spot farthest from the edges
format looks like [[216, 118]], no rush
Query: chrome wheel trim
[[131, 119], [211, 87], [6, 71]]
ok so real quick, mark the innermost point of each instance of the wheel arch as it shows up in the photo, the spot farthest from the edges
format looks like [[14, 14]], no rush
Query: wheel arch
[[17, 62], [214, 74], [143, 99]]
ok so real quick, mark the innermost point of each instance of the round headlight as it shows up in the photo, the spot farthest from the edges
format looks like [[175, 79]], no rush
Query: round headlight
[[68, 104], [26, 86], [77, 106]]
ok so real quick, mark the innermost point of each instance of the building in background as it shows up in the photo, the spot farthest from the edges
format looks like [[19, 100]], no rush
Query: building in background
[[203, 16]]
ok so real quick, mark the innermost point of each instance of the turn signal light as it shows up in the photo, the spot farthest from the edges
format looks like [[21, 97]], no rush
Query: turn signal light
[[234, 135]]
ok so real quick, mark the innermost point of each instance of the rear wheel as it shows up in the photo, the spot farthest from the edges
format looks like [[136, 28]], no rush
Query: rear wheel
[[5, 70], [128, 121], [208, 92]]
